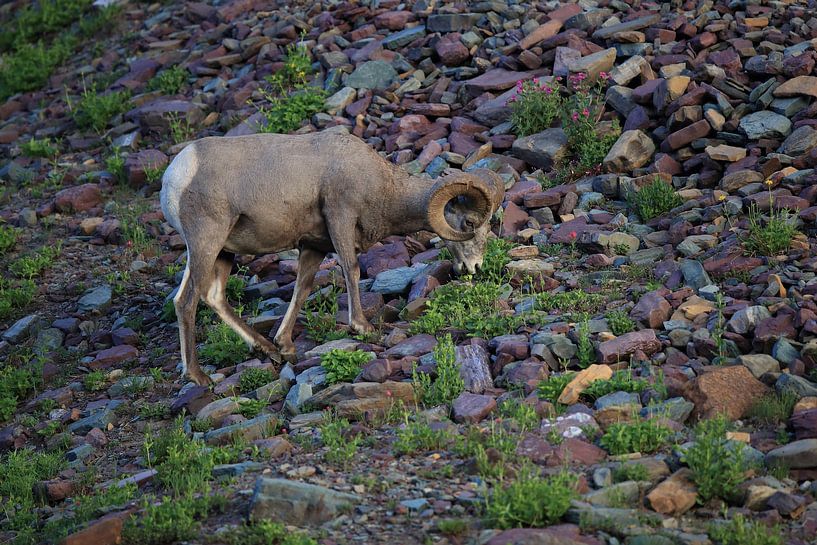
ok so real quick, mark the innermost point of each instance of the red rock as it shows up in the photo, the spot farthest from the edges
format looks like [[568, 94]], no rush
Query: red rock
[[78, 198], [430, 109], [576, 451], [620, 348], [674, 496], [514, 219], [451, 50], [542, 32], [498, 79], [393, 20], [724, 390], [114, 355], [652, 309], [413, 346], [104, 531], [472, 408], [137, 165], [384, 257], [96, 438], [681, 138]]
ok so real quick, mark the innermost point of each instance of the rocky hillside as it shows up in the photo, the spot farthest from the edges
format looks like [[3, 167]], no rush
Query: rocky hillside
[[635, 363]]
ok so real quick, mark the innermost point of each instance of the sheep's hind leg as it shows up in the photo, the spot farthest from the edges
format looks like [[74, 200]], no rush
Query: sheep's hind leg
[[185, 302], [216, 298], [308, 262]]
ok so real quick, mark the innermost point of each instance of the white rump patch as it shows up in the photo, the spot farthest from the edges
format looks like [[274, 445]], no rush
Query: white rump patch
[[175, 181]]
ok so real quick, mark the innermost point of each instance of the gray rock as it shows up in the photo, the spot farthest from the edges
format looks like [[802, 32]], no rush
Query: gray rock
[[296, 397], [22, 329], [626, 492], [397, 280], [397, 40], [800, 141], [234, 470], [785, 352], [694, 274], [542, 149], [337, 102], [218, 409], [800, 454], [618, 399], [747, 318], [760, 364], [798, 386], [315, 377], [79, 453], [765, 124], [97, 299], [372, 75], [256, 428], [298, 503], [676, 408], [100, 419], [452, 22], [48, 340], [475, 370]]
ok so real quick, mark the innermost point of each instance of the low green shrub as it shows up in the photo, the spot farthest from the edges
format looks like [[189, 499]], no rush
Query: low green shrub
[[223, 346], [619, 322], [772, 236], [265, 532], [741, 531], [95, 110], [343, 365], [717, 465], [417, 436], [530, 500], [644, 436], [654, 199], [341, 448], [253, 378], [449, 384], [169, 81]]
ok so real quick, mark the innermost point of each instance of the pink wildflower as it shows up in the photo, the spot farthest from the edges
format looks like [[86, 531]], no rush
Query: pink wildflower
[[586, 112], [604, 75], [575, 116]]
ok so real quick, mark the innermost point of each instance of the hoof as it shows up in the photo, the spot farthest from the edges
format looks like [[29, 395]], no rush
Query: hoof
[[201, 379]]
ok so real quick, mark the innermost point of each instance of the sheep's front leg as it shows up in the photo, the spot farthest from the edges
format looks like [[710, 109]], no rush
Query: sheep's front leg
[[344, 243], [308, 262]]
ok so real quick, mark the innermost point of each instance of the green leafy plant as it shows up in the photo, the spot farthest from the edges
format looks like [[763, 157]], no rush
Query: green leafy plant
[[39, 148], [524, 414], [320, 313], [169, 81], [95, 111], [494, 260], [284, 114], [115, 164], [250, 408], [16, 383], [631, 472], [717, 466], [266, 532], [553, 387], [472, 307], [94, 381], [741, 531], [8, 238], [343, 365], [417, 436], [158, 410], [452, 527], [773, 408], [341, 448], [654, 199], [586, 352], [530, 500], [621, 381], [619, 322], [223, 345], [644, 436], [581, 115], [534, 106], [33, 264], [574, 301], [449, 384], [170, 520], [253, 378], [772, 236], [15, 297], [30, 65]]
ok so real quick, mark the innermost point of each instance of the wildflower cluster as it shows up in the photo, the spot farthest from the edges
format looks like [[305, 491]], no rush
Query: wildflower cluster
[[536, 104]]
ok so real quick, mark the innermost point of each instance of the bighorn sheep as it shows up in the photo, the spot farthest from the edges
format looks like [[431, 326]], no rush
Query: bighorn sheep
[[320, 193]]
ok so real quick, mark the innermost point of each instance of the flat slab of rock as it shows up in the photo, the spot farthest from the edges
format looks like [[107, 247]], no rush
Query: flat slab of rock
[[674, 496], [354, 400], [800, 454], [294, 502], [472, 408], [582, 380]]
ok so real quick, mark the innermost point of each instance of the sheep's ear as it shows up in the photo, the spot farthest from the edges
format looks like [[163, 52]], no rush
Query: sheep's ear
[[474, 188]]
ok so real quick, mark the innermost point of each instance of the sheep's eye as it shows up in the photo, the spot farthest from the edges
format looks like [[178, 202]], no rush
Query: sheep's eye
[[469, 225]]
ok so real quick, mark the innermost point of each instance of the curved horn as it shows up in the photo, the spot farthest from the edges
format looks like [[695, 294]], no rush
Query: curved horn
[[451, 187], [493, 179]]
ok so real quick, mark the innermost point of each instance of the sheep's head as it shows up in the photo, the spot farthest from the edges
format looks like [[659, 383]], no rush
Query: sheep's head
[[460, 210]]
